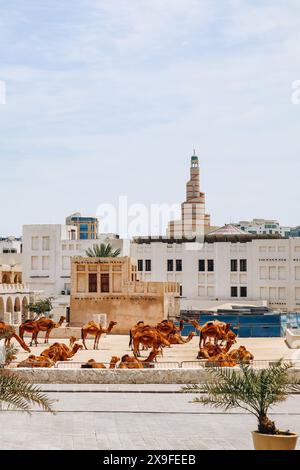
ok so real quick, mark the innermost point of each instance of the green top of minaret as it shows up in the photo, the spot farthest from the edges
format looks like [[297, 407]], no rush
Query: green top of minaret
[[194, 157]]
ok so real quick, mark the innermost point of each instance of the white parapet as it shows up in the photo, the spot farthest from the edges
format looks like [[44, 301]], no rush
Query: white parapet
[[293, 338]]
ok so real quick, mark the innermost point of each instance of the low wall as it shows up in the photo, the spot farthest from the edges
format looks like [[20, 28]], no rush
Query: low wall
[[118, 376]]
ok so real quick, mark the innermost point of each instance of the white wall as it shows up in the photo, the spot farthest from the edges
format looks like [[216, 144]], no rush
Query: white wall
[[279, 259], [53, 271]]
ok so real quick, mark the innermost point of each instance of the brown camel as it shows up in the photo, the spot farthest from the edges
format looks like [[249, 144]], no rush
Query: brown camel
[[178, 339], [35, 326], [36, 361], [213, 329], [131, 362], [150, 338], [92, 364], [9, 333], [97, 330], [61, 352], [168, 327], [241, 354], [138, 326]]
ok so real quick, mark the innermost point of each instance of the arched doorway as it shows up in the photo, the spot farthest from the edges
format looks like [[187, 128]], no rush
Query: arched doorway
[[1, 309], [5, 279], [24, 309], [9, 305], [17, 305]]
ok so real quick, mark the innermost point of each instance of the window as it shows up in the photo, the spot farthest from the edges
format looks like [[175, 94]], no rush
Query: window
[[84, 228], [243, 265], [170, 265], [234, 265], [46, 263], [93, 282], [34, 263], [35, 243], [210, 265], [104, 282], [234, 291], [46, 243], [84, 235], [148, 265], [180, 290], [243, 292], [179, 265], [140, 265], [201, 265]]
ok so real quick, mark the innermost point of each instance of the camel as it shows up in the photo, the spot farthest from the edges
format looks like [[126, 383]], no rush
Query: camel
[[10, 333], [61, 352], [138, 326], [35, 326], [95, 329], [222, 360], [215, 329], [150, 338], [130, 362], [178, 339], [92, 364], [36, 361], [241, 354], [168, 327]]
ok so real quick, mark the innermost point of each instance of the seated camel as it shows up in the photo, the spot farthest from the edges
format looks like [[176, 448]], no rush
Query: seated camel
[[35, 326], [168, 327], [36, 361], [209, 350], [178, 339], [97, 330], [61, 352], [241, 354], [150, 338], [222, 360], [132, 362], [9, 333], [92, 364]]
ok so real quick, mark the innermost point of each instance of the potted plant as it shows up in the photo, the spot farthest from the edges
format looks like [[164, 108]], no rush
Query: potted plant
[[254, 391]]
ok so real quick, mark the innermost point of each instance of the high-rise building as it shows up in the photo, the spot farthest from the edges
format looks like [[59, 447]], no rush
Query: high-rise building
[[87, 227], [194, 221]]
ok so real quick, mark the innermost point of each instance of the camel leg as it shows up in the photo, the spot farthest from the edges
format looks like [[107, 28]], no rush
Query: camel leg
[[83, 340]]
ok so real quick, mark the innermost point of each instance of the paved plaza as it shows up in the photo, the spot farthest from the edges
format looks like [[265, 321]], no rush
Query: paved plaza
[[131, 417]]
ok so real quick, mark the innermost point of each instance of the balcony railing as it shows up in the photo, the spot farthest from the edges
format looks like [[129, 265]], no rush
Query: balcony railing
[[13, 288]]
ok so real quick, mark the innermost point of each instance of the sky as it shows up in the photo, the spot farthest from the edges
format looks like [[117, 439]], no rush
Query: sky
[[108, 98]]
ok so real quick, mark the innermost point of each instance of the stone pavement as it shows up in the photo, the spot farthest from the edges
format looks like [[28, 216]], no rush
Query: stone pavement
[[133, 417]]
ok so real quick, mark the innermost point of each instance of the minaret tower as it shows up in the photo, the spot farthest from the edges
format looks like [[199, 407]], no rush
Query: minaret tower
[[194, 221]]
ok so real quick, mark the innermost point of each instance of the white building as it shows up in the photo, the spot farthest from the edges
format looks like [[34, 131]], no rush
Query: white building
[[218, 271], [47, 250], [10, 245], [263, 227], [230, 265]]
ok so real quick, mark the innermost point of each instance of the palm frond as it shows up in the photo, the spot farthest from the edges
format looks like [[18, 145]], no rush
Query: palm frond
[[18, 393], [103, 251]]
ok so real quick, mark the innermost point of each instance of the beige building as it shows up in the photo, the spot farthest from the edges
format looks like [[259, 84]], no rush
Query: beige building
[[14, 295], [110, 286]]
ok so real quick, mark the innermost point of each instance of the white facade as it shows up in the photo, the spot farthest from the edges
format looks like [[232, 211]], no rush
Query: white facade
[[272, 271], [263, 227], [47, 251], [10, 245]]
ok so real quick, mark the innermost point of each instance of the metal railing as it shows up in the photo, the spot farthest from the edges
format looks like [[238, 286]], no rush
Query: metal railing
[[184, 365]]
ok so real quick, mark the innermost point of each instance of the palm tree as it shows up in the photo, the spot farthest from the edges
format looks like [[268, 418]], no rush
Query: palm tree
[[19, 394], [252, 390], [103, 251]]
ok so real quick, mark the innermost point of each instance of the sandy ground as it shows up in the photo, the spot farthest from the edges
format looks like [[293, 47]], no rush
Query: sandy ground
[[117, 345]]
